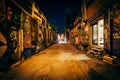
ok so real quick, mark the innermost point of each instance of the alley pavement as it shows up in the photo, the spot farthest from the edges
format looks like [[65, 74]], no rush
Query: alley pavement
[[62, 62]]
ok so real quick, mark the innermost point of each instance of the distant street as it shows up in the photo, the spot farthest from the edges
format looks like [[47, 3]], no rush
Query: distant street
[[62, 62]]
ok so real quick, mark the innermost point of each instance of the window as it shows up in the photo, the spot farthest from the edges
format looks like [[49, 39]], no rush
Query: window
[[95, 34], [101, 32], [98, 33]]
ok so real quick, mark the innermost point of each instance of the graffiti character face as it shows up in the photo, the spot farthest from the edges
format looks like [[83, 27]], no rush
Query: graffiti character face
[[27, 26]]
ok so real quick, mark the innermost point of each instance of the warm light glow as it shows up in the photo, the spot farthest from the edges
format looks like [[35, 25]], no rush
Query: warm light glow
[[58, 37], [74, 57], [61, 42], [62, 39], [86, 28], [83, 24]]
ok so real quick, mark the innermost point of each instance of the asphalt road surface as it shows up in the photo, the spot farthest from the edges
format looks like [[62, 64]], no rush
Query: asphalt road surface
[[62, 62]]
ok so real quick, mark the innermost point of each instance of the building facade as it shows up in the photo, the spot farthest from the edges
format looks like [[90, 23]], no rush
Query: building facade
[[99, 26]]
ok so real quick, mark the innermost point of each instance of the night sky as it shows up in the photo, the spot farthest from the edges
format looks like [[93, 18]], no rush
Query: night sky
[[55, 10]]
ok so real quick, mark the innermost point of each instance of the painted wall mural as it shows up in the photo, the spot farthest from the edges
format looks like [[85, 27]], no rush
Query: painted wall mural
[[107, 30], [107, 34], [27, 33], [115, 16], [27, 37], [3, 29], [13, 25]]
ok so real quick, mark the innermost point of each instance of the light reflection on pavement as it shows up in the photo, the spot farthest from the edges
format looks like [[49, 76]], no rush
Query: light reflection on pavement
[[62, 62]]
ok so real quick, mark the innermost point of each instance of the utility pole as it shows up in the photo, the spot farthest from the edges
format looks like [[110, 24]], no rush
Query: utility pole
[[85, 13]]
